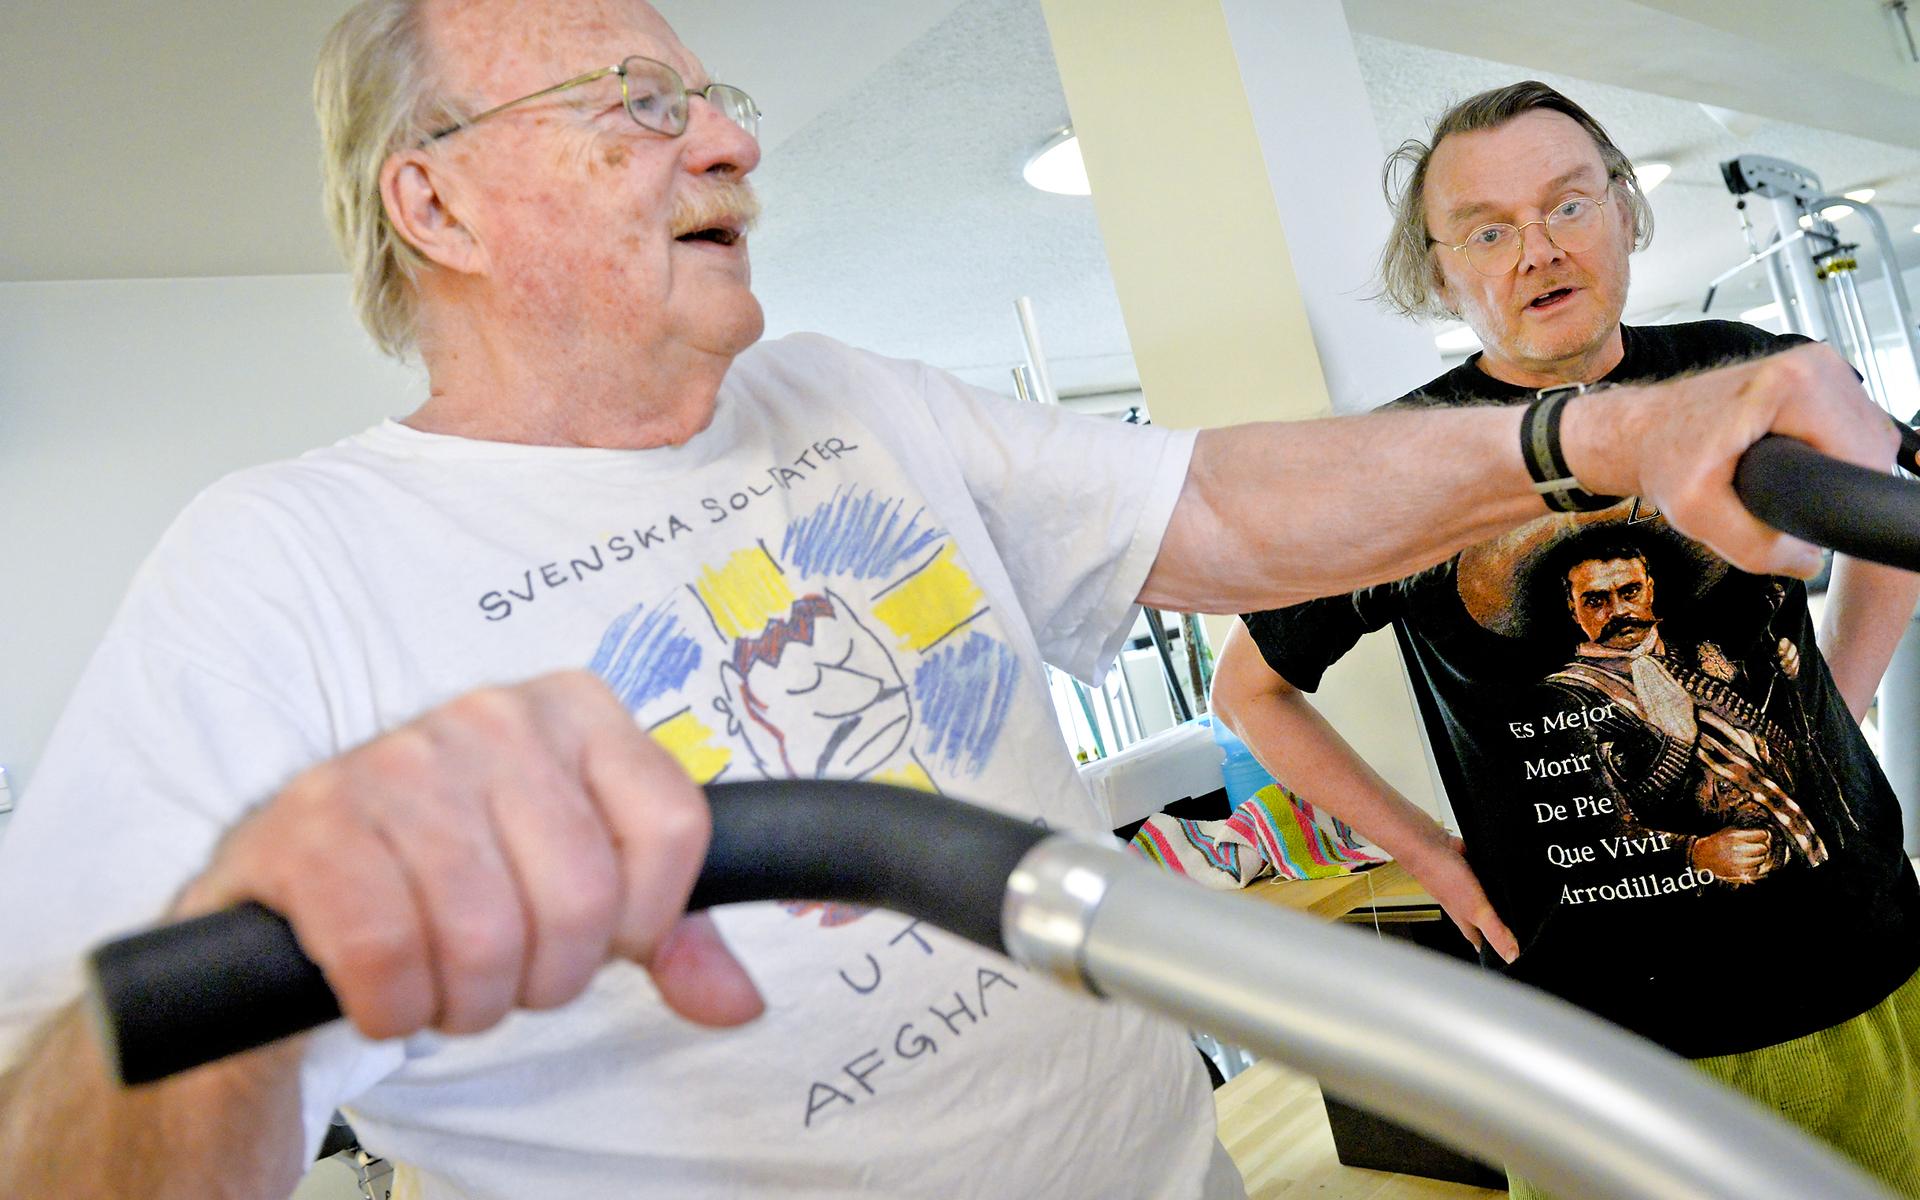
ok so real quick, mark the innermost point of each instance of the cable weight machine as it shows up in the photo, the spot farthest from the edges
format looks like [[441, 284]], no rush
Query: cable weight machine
[[1814, 275]]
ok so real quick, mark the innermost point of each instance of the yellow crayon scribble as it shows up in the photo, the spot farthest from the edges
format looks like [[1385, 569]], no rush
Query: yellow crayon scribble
[[744, 594], [907, 774], [932, 604], [691, 743]]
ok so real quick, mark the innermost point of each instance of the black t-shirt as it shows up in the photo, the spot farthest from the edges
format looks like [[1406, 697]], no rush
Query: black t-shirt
[[1611, 705]]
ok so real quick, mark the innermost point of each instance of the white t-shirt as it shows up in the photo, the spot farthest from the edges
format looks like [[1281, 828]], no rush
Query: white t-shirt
[[877, 557]]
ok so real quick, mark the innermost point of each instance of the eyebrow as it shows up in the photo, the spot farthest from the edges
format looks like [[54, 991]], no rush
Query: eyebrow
[[1478, 207]]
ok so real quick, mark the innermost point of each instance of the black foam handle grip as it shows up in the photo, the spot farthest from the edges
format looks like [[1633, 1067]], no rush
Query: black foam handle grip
[[182, 995], [185, 994], [1798, 490]]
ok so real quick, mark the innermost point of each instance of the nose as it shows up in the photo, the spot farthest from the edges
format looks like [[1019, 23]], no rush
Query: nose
[[715, 145], [1536, 248]]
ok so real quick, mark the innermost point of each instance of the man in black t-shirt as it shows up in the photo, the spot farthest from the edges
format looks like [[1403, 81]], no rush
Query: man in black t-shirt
[[1669, 813]]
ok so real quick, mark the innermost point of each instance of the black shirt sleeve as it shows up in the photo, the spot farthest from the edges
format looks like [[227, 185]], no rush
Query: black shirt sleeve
[[1301, 641]]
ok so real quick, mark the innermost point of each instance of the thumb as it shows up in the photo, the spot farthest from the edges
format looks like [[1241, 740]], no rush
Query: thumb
[[1501, 939], [699, 977]]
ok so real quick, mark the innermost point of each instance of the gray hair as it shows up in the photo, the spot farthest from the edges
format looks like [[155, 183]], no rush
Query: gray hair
[[1409, 273], [374, 91]]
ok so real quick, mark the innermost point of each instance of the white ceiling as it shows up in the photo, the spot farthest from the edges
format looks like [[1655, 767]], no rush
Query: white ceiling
[[178, 142], [148, 141]]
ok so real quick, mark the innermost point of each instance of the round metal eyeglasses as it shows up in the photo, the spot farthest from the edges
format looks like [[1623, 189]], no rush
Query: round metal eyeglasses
[[654, 96], [1573, 225]]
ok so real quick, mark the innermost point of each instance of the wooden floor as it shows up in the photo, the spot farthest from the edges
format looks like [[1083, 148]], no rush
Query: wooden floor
[[1273, 1124]]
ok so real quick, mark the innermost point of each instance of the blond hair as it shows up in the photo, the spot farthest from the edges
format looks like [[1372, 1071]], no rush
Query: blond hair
[[374, 91], [1409, 274]]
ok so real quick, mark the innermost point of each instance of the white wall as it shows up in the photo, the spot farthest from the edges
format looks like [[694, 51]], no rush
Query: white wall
[[119, 400], [1325, 173]]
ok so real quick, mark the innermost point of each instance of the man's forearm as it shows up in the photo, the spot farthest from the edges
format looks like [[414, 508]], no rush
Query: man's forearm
[[1280, 512], [229, 1130], [1869, 608]]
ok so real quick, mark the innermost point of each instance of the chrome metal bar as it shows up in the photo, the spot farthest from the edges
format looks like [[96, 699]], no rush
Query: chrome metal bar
[[1899, 8], [1856, 317], [1808, 314], [1782, 289], [1755, 256], [1036, 357], [1115, 727], [1021, 387], [1158, 631], [1079, 691], [1583, 1109], [1128, 704], [1896, 285]]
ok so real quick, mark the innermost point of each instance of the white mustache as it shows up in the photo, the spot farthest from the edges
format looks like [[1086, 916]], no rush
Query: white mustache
[[729, 204]]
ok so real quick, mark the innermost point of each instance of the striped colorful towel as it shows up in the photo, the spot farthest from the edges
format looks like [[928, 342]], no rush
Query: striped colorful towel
[[1274, 833]]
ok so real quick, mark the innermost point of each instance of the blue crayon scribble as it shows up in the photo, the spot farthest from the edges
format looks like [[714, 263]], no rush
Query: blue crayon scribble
[[863, 536], [963, 694], [644, 660]]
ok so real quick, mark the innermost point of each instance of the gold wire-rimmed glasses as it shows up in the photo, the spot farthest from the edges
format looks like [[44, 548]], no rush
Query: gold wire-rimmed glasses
[[1573, 225], [654, 96]]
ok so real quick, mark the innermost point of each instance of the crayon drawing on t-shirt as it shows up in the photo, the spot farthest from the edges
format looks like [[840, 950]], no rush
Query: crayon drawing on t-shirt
[[855, 646]]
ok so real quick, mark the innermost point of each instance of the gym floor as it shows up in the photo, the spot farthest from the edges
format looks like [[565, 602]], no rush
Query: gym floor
[[1274, 1125]]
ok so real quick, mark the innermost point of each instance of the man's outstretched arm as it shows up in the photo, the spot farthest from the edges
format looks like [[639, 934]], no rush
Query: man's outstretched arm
[[1273, 514]]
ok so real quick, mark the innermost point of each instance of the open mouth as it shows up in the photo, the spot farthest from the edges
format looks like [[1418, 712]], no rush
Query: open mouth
[[720, 235], [1549, 299]]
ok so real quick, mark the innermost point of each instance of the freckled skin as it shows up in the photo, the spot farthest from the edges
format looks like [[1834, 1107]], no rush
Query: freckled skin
[[579, 319], [1508, 171]]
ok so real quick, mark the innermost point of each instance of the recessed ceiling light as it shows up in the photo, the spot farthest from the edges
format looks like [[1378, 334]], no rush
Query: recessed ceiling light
[[1651, 175], [1770, 311], [1057, 167], [1833, 212], [1860, 195], [1916, 228], [1456, 339]]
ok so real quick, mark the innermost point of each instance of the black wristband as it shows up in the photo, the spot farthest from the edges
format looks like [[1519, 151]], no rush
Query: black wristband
[[1540, 449]]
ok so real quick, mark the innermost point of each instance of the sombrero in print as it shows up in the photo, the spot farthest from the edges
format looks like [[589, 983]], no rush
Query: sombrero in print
[[1514, 585]]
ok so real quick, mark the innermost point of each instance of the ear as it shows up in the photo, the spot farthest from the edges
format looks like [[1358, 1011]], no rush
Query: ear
[[1629, 192], [422, 194], [1438, 292]]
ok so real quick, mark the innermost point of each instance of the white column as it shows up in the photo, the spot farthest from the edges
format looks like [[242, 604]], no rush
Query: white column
[[1323, 158], [1234, 166]]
